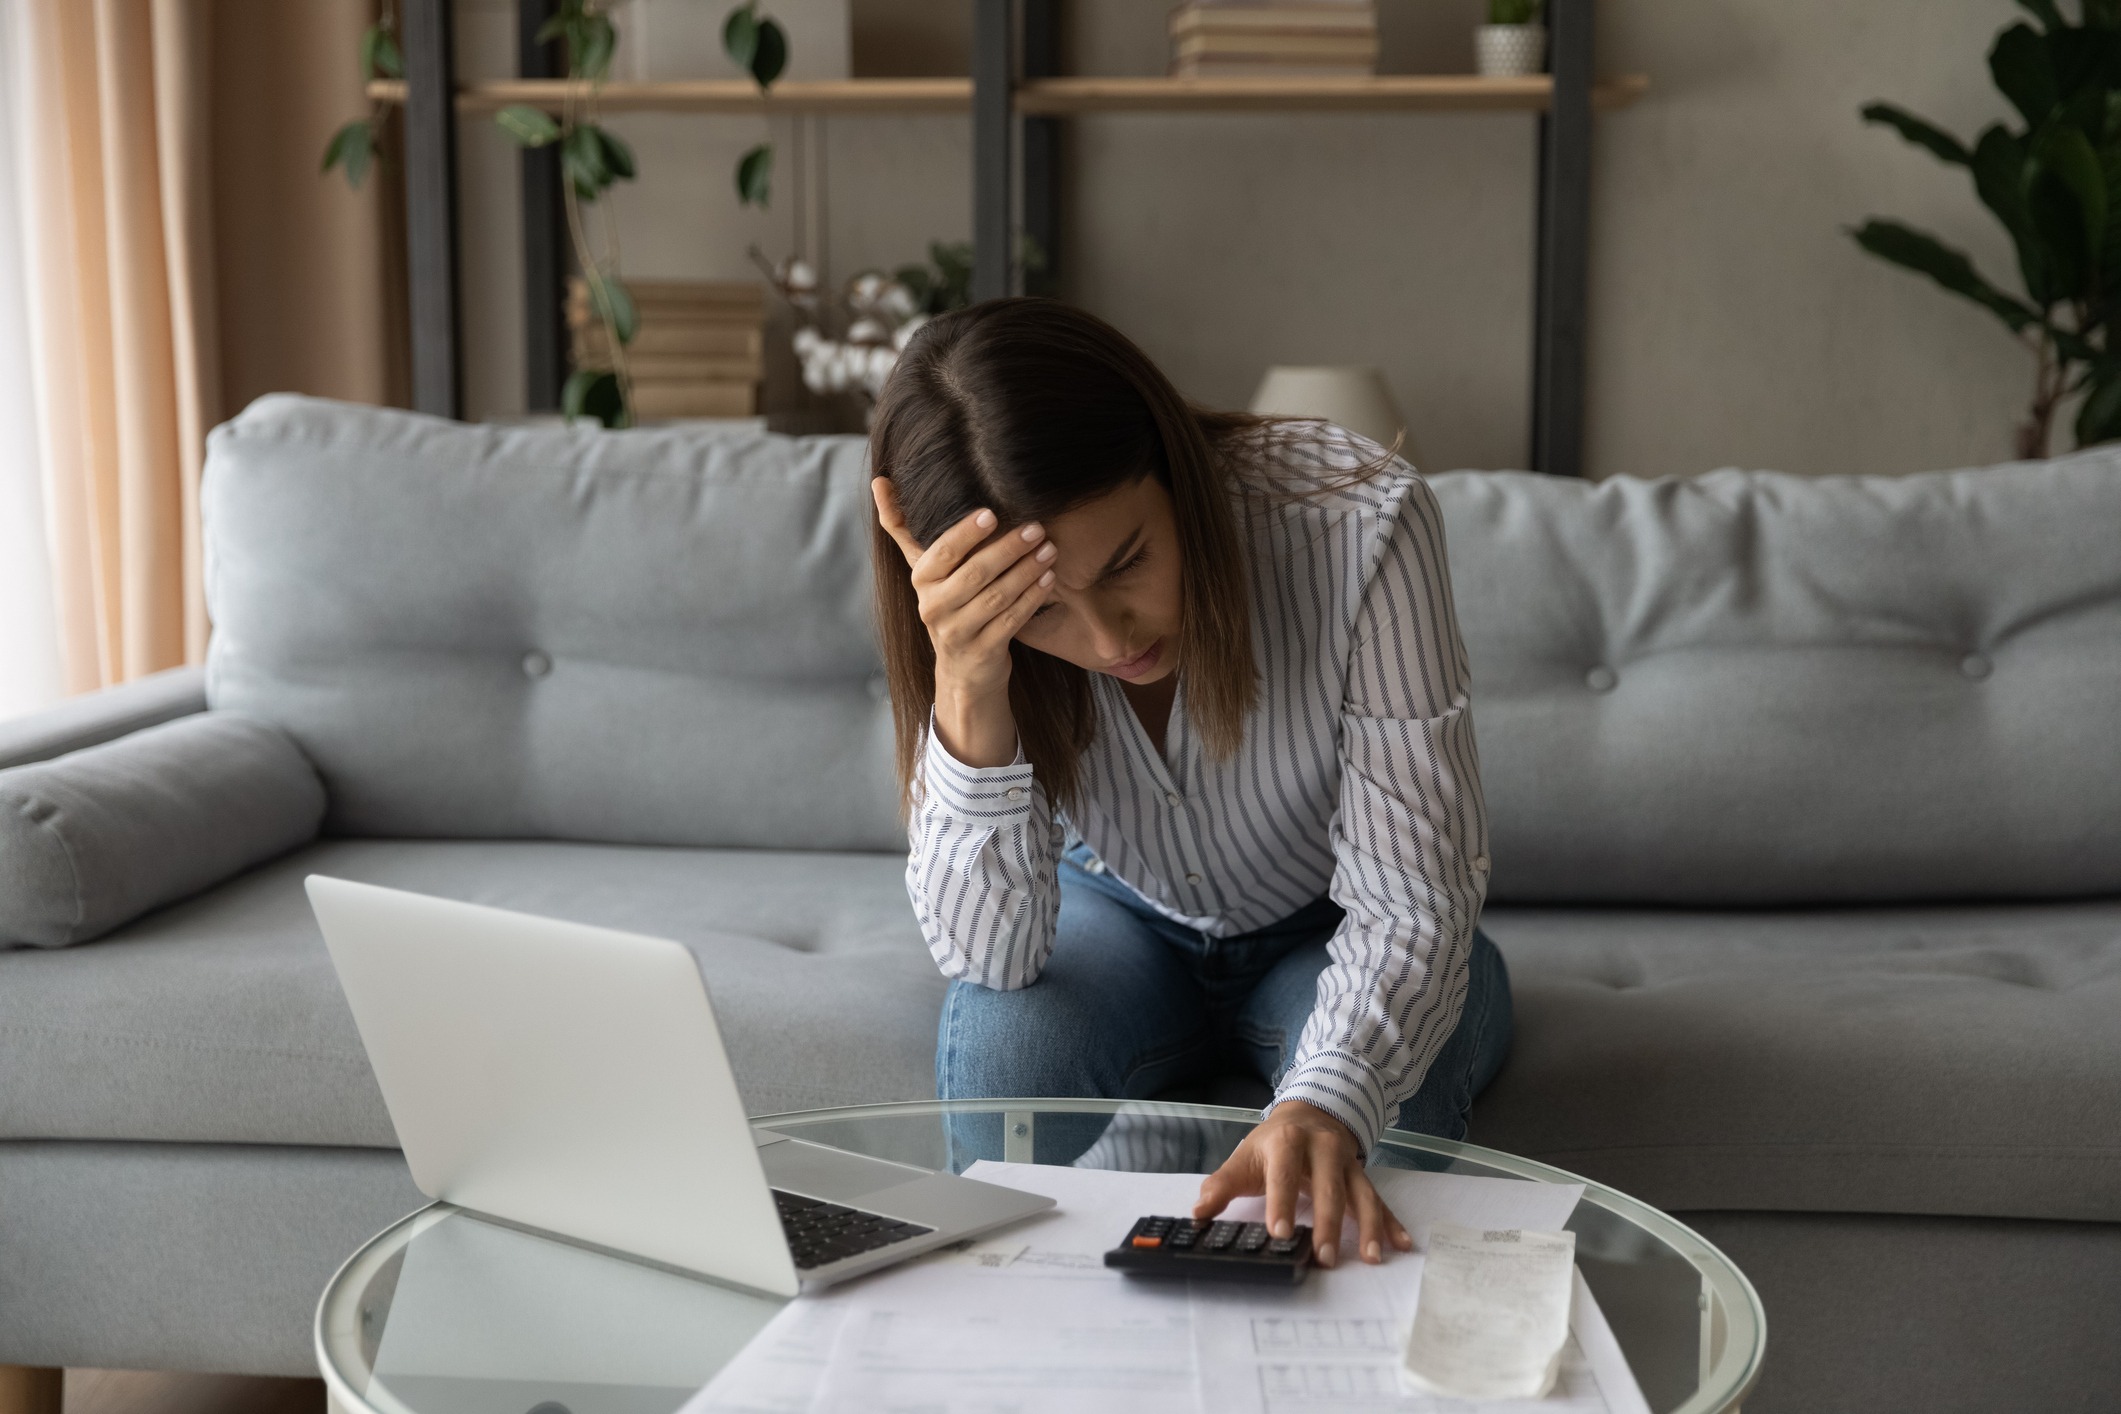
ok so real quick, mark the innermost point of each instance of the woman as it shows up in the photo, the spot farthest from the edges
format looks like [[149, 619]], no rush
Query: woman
[[1184, 737]]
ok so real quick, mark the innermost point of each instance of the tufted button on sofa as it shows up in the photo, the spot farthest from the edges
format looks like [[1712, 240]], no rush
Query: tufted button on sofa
[[1806, 862]]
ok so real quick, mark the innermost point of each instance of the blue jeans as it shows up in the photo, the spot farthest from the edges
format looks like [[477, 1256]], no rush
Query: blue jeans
[[1131, 1003]]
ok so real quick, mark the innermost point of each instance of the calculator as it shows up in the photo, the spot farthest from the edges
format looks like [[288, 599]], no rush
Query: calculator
[[1217, 1251]]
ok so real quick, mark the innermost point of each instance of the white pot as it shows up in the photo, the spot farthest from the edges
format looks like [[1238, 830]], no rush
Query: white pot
[[1510, 51]]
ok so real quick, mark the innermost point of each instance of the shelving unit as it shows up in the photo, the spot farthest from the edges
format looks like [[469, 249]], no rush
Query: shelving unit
[[1012, 84]]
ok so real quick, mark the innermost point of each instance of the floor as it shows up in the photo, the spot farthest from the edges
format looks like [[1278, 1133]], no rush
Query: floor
[[138, 1392]]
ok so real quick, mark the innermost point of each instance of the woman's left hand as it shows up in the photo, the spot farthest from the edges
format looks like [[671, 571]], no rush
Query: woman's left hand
[[1300, 1148]]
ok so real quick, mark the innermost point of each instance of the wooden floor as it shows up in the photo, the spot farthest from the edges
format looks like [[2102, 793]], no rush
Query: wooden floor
[[135, 1392]]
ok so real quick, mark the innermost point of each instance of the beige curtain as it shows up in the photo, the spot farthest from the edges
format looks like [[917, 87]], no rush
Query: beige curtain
[[185, 255], [121, 324]]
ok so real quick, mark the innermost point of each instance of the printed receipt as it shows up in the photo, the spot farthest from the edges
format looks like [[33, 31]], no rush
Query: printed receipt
[[1493, 1313]]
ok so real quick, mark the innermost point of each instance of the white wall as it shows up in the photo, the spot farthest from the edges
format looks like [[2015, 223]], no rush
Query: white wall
[[1732, 319]]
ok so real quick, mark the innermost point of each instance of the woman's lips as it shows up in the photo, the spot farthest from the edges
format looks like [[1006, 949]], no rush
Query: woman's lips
[[1142, 663]]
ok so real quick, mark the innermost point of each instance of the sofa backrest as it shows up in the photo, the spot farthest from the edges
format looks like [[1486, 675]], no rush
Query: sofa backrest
[[642, 637], [1754, 688], [1742, 688]]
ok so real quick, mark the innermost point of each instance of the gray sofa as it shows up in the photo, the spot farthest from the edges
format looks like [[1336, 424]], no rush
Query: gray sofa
[[1806, 801]]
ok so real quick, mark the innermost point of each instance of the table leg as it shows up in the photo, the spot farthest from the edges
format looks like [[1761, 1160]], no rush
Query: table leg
[[30, 1389]]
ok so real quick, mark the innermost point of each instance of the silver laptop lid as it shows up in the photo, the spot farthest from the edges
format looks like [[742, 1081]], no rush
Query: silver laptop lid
[[557, 1075]]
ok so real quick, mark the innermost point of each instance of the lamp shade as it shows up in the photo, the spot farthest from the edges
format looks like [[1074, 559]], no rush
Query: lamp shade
[[1352, 395]]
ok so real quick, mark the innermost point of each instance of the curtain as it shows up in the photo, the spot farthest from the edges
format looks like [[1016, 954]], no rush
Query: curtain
[[121, 301], [184, 255], [29, 640]]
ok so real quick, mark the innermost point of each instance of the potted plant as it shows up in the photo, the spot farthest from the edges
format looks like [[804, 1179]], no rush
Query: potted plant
[[2054, 183], [1513, 43]]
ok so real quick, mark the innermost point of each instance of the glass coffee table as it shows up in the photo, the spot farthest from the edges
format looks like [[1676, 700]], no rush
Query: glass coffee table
[[447, 1313]]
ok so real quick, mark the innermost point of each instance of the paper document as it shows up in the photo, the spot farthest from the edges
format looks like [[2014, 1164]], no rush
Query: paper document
[[1029, 1319], [1492, 1314]]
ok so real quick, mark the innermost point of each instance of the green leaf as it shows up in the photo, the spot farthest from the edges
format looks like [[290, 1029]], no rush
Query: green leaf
[[2081, 61], [2020, 66], [618, 157], [2044, 10], [351, 147], [2000, 179], [770, 56], [754, 175], [528, 126], [2099, 418], [1926, 255], [582, 159], [2067, 153], [614, 306], [740, 35], [1923, 134], [597, 42], [379, 54], [594, 392]]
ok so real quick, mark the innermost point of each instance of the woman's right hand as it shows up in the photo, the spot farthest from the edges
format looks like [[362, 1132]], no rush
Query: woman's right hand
[[975, 595]]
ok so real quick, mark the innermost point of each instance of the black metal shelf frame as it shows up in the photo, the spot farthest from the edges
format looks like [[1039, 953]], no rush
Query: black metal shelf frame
[[1011, 39]]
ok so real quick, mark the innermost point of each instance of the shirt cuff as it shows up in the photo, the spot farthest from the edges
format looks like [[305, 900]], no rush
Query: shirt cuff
[[996, 795], [1342, 1086]]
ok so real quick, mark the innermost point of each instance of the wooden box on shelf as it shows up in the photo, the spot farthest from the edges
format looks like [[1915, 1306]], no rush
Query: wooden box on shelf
[[698, 349]]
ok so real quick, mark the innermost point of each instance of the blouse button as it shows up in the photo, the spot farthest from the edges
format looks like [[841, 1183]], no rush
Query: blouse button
[[1193, 878], [1480, 862], [1173, 797], [536, 664], [1015, 792], [1601, 679]]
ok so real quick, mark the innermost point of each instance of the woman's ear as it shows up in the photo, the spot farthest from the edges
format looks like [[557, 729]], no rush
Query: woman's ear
[[888, 517]]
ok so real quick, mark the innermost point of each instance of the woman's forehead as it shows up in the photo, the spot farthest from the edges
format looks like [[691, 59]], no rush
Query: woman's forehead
[[1090, 536]]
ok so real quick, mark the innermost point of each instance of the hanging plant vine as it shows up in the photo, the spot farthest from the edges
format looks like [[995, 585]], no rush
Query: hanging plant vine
[[358, 146], [592, 160], [756, 44]]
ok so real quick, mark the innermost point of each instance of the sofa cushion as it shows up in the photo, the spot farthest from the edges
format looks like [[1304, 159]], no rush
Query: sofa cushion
[[1748, 687], [99, 836], [1944, 1061], [647, 637], [220, 1020]]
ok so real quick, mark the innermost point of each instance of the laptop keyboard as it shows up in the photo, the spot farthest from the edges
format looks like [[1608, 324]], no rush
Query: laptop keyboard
[[821, 1233]]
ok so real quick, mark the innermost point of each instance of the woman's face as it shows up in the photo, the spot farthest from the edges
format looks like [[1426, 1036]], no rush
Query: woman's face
[[1115, 602]]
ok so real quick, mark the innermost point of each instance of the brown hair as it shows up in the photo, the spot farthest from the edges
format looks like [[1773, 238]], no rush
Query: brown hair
[[1030, 408]]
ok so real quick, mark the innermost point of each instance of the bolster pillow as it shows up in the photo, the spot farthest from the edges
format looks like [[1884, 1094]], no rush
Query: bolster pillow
[[97, 837]]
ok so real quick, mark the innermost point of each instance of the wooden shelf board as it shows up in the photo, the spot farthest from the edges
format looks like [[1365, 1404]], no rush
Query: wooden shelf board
[[1376, 94]]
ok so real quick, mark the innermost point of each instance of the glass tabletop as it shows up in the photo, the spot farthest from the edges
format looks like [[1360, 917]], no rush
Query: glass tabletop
[[448, 1313]]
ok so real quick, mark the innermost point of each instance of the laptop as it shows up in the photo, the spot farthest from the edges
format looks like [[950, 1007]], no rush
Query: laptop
[[572, 1079]]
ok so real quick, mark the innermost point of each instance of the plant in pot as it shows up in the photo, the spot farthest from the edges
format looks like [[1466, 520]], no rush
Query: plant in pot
[[1513, 43], [2055, 185]]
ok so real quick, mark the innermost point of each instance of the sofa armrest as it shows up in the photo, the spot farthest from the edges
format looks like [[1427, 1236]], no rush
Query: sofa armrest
[[95, 838], [96, 717]]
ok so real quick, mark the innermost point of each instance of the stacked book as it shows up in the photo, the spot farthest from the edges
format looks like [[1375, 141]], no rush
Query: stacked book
[[697, 350], [1321, 39]]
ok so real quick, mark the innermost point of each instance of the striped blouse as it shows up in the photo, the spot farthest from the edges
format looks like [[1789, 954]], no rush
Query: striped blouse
[[1357, 778]]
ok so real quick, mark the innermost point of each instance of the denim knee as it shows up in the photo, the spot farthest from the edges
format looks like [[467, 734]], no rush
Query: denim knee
[[991, 1044]]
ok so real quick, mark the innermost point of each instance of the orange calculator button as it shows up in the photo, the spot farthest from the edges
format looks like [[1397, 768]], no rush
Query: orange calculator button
[[1148, 1242]]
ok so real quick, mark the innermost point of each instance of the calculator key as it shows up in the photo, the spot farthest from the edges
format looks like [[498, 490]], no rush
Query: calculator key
[[1183, 1237], [1282, 1246], [1144, 1240], [1220, 1236], [1253, 1238]]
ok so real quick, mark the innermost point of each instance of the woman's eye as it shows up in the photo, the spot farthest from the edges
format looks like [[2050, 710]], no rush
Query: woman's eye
[[1140, 556], [1040, 612]]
